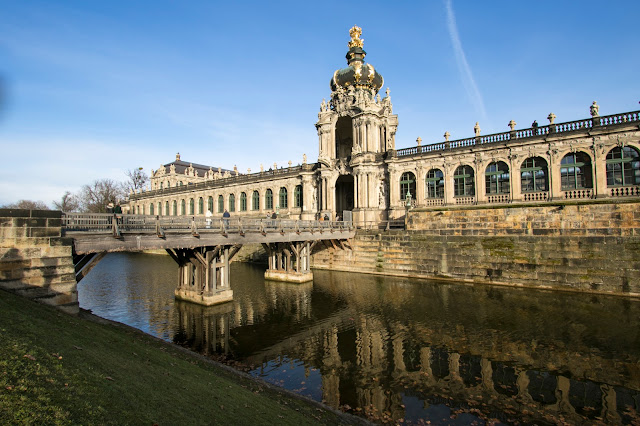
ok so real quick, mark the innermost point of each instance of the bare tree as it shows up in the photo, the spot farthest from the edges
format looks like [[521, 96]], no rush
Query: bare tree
[[137, 180], [27, 205], [95, 197], [68, 203]]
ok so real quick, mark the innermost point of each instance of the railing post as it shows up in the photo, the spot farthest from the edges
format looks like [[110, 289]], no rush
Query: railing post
[[159, 231], [114, 225], [194, 228]]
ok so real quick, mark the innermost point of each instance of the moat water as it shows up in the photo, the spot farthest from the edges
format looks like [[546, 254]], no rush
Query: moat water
[[394, 349]]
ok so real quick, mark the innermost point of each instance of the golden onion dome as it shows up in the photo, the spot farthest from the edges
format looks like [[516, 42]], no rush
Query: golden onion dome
[[357, 74]]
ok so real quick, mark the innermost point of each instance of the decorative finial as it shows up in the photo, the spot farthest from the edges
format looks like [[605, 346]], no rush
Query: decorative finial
[[355, 33], [476, 129], [512, 124], [419, 140], [177, 156], [551, 117], [446, 136], [594, 108]]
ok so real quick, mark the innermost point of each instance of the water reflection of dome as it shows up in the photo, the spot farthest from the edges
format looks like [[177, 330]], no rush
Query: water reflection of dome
[[357, 73]]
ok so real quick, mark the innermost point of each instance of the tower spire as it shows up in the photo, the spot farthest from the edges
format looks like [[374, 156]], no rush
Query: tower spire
[[355, 32]]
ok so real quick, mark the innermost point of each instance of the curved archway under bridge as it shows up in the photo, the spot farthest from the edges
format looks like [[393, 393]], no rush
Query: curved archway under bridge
[[202, 247]]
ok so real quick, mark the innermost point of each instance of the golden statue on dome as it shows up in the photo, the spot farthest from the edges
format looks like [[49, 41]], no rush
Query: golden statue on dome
[[355, 33]]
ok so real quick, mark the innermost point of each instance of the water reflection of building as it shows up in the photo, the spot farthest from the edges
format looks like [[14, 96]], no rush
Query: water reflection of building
[[375, 343]]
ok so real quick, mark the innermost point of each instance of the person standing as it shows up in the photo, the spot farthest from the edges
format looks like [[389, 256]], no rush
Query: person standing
[[225, 217], [208, 215]]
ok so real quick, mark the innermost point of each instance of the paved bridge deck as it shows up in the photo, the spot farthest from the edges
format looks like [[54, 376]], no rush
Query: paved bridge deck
[[93, 233]]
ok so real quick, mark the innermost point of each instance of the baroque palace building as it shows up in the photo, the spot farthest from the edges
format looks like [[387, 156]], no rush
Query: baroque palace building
[[359, 174]]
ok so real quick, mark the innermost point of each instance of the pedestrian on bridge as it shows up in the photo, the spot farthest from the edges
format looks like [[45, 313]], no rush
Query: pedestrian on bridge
[[208, 215], [117, 213], [225, 217]]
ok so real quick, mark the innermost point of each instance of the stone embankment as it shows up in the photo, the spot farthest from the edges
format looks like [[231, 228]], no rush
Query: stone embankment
[[35, 260], [591, 247]]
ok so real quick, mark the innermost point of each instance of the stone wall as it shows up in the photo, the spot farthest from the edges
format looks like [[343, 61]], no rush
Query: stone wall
[[35, 261], [583, 247]]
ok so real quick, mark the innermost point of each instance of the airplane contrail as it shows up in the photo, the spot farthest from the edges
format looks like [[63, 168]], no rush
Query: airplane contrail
[[463, 66]]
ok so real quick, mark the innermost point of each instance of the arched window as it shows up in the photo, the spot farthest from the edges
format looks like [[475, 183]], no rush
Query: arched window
[[407, 185], [497, 178], [232, 202], [220, 204], [160, 185], [255, 205], [268, 199], [533, 175], [166, 209], [464, 184], [575, 171], [201, 205], [243, 201], [183, 207], [284, 201], [297, 196], [435, 183], [180, 183], [175, 208], [159, 208], [137, 209], [210, 204], [623, 166], [192, 206], [151, 209]]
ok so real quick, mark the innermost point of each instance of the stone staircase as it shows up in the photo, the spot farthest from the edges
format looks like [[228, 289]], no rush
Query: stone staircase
[[35, 261]]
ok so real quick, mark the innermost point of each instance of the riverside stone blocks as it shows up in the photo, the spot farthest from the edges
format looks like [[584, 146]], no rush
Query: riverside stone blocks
[[35, 261], [570, 249]]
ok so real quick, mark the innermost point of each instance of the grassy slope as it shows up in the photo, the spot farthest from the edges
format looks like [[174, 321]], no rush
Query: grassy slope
[[60, 369]]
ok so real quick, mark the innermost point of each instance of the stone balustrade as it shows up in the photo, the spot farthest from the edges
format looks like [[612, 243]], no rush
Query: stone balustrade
[[585, 124]]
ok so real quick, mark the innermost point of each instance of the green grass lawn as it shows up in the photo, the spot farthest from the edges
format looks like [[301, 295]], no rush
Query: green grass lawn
[[61, 369]]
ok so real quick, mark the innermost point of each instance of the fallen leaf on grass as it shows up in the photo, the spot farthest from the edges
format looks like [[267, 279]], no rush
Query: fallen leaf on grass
[[110, 378], [77, 347], [29, 356]]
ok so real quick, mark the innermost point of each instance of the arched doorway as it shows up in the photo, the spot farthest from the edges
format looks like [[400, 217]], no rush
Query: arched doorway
[[344, 194]]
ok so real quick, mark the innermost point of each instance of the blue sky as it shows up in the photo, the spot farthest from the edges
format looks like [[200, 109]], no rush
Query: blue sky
[[91, 89]]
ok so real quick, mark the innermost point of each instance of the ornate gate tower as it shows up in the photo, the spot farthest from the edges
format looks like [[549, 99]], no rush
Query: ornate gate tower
[[356, 128]]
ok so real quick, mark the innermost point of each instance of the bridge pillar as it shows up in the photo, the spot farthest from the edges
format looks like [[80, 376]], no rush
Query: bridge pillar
[[204, 274], [289, 262]]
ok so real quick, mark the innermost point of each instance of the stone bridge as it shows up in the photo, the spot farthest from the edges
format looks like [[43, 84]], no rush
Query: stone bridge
[[203, 247]]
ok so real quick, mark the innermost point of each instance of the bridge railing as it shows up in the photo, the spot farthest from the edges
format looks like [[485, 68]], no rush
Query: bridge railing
[[109, 223]]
